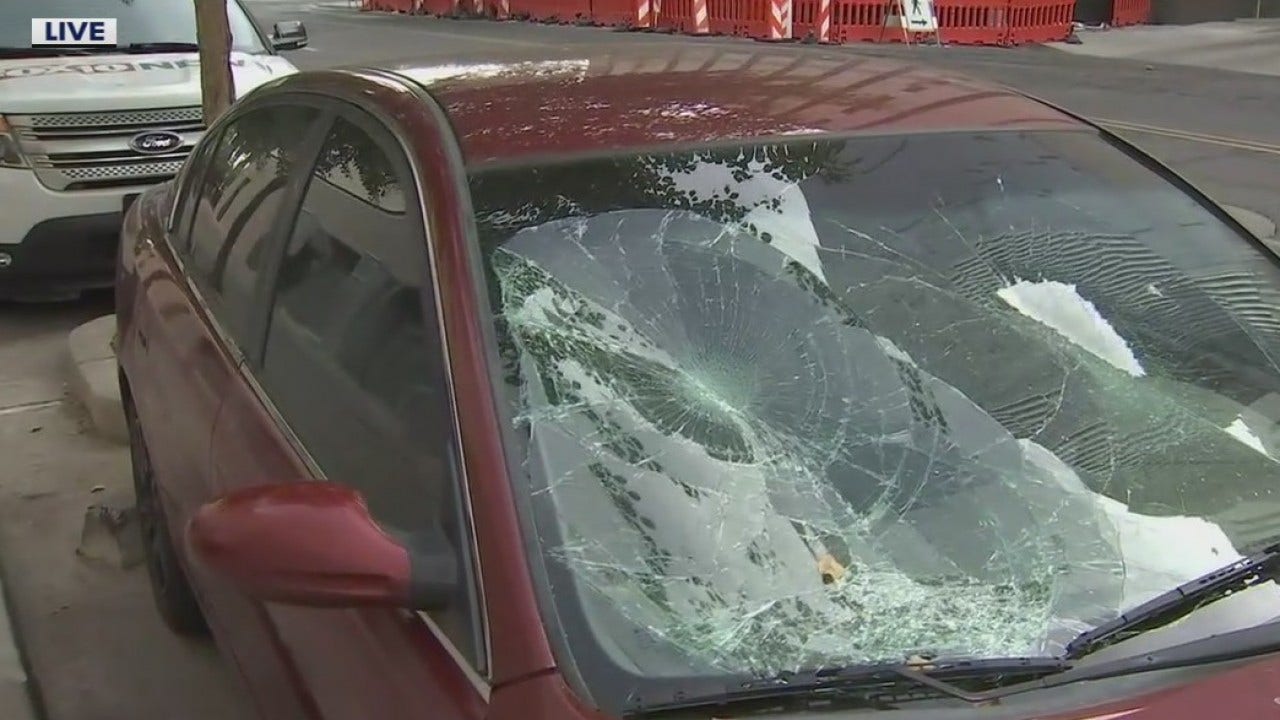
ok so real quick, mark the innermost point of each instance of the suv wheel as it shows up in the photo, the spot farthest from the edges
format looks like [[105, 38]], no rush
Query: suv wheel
[[169, 586]]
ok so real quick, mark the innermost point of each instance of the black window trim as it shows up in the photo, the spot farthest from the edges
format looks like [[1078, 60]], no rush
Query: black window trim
[[208, 298], [404, 161], [191, 173], [459, 170]]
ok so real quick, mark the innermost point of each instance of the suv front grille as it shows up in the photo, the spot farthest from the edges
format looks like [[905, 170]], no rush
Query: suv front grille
[[76, 151]]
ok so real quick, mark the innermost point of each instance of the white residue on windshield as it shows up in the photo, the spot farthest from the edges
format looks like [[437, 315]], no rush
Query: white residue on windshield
[[1060, 306], [686, 111], [778, 207], [1240, 430]]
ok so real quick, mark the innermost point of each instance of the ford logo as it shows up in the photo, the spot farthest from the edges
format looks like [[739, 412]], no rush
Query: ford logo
[[156, 142]]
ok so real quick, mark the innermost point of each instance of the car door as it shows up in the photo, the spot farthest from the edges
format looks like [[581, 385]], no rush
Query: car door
[[350, 386], [198, 324], [190, 333]]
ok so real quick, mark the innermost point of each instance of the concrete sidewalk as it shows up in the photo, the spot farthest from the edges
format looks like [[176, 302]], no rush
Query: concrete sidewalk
[[16, 694], [94, 382], [1247, 46]]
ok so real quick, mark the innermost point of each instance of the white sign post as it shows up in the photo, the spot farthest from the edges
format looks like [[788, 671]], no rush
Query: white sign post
[[912, 16]]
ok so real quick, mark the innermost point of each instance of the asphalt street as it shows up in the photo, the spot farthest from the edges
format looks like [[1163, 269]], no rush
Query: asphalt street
[[1215, 127], [94, 643]]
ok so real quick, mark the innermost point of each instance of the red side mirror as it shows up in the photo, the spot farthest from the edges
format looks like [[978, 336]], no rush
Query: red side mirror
[[315, 544]]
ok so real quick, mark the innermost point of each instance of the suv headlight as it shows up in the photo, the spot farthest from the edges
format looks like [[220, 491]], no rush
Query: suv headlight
[[10, 156]]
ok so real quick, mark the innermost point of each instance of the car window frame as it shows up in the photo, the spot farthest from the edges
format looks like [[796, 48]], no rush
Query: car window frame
[[180, 213], [403, 160], [180, 240]]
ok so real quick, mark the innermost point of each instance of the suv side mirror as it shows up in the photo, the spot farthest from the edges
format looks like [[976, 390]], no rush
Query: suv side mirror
[[289, 35], [314, 544]]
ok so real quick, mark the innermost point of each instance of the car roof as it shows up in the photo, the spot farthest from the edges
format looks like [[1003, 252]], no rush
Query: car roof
[[642, 96]]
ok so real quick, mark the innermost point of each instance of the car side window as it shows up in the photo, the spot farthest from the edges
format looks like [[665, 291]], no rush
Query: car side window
[[187, 182], [238, 206], [353, 359]]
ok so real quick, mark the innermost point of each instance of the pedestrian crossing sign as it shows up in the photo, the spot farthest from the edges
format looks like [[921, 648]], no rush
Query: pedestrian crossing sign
[[912, 16]]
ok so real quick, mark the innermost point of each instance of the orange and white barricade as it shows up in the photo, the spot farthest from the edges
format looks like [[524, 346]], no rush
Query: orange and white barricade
[[780, 20]]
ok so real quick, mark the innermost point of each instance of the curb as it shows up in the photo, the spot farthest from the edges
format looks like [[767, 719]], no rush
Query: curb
[[20, 695], [94, 378]]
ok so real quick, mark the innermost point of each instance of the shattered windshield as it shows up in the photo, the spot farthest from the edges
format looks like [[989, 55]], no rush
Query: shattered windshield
[[841, 401]]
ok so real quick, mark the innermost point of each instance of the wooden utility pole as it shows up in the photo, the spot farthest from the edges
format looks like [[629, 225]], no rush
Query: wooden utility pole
[[213, 32]]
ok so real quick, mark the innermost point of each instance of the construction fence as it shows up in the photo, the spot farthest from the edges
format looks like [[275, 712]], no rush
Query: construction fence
[[961, 22]]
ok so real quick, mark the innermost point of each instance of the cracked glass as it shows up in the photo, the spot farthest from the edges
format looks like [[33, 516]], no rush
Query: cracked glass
[[825, 402]]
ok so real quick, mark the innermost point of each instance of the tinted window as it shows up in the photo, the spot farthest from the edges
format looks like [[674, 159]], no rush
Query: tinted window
[[188, 184], [353, 359], [239, 204]]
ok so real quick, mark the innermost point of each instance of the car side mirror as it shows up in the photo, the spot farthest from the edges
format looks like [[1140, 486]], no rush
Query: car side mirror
[[315, 544], [289, 35]]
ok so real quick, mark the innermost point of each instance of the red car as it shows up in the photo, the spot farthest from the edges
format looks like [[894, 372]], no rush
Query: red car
[[705, 384]]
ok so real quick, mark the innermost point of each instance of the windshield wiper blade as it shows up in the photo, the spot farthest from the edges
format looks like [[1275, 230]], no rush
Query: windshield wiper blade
[[1236, 645], [869, 685], [880, 686], [159, 47], [38, 52], [1179, 602]]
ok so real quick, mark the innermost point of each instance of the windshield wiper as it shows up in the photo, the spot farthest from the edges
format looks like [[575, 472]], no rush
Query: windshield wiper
[[1236, 645], [884, 686], [878, 686], [881, 687], [1179, 602], [159, 47], [39, 52]]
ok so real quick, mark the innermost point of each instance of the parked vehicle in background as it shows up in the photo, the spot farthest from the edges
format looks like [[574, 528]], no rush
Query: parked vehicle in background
[[84, 129], [719, 390]]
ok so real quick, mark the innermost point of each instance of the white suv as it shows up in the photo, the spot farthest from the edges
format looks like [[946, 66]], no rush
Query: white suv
[[83, 130]]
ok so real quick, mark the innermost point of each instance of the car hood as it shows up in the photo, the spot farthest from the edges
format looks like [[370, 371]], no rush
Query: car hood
[[1251, 692], [121, 82]]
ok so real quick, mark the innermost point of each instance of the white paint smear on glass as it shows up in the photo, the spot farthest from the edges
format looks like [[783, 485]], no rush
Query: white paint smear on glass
[[1060, 306]]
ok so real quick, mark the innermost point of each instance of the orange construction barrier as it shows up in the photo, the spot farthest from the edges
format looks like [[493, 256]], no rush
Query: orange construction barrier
[[977, 22], [562, 11], [1131, 12], [964, 22], [675, 15], [780, 20], [620, 13], [814, 20], [1038, 21], [743, 18], [438, 7], [804, 19], [858, 21]]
